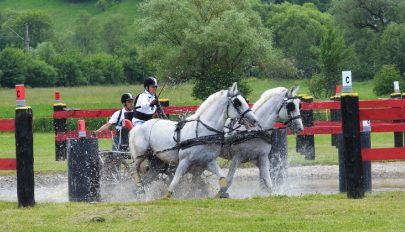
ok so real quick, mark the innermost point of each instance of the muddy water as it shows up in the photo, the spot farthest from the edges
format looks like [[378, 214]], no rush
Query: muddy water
[[318, 179]]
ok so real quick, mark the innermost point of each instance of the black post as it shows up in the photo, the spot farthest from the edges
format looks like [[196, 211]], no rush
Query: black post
[[366, 143], [352, 145], [398, 136], [305, 144], [342, 166], [83, 169], [24, 156], [59, 125], [278, 157], [335, 116]]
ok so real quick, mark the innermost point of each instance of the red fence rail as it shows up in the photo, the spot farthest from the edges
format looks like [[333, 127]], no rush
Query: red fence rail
[[7, 125], [8, 164]]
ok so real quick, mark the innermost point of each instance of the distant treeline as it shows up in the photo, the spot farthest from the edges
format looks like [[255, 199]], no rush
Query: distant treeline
[[212, 43]]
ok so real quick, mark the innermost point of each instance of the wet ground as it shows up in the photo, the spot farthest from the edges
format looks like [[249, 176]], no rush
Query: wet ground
[[318, 179]]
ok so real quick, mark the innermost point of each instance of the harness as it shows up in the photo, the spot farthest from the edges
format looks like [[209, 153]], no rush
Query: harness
[[217, 138], [264, 134]]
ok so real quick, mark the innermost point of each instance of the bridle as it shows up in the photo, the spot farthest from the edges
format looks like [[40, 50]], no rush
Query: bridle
[[290, 107], [233, 99]]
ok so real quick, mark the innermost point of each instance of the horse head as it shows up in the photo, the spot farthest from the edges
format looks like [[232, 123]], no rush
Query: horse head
[[290, 111], [238, 108]]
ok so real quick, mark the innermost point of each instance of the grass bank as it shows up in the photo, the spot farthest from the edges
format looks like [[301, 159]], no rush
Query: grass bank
[[101, 97], [376, 212]]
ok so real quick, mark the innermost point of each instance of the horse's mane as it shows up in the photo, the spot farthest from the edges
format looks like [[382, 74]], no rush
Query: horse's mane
[[267, 95], [206, 104]]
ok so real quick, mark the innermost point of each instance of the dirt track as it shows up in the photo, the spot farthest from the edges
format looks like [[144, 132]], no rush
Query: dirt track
[[322, 179]]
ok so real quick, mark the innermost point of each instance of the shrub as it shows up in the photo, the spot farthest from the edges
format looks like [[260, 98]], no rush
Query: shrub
[[383, 80], [40, 74], [13, 65]]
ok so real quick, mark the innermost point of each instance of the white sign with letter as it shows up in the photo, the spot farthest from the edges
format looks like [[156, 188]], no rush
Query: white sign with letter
[[347, 81]]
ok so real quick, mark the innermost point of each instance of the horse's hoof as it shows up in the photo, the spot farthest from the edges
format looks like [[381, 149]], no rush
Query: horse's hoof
[[222, 195], [168, 195]]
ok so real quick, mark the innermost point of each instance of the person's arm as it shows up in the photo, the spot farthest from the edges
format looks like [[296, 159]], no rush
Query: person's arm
[[104, 127], [108, 125]]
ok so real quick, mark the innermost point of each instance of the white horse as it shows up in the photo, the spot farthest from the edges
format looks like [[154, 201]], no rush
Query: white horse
[[194, 142], [243, 146]]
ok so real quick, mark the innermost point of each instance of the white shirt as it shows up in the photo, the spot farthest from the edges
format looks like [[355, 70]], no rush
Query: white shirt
[[114, 117], [143, 104]]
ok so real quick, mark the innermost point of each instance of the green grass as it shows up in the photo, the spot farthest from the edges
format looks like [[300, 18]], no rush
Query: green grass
[[104, 97], [44, 151], [375, 212], [64, 13]]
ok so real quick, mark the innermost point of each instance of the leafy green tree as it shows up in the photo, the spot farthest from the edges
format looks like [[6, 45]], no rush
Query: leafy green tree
[[40, 74], [70, 67], [135, 70], [45, 51], [392, 46], [187, 39], [103, 69], [13, 65], [368, 14], [115, 33], [39, 24], [363, 22], [333, 58], [383, 80], [298, 31], [86, 34]]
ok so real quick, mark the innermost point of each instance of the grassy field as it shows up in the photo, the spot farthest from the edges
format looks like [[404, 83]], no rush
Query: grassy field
[[101, 97], [376, 212], [64, 13], [44, 151]]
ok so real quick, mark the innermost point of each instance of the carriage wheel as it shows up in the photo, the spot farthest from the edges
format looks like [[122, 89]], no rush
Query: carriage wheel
[[115, 169]]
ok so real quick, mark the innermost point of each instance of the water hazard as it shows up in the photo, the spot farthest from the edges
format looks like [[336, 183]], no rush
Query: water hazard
[[318, 179]]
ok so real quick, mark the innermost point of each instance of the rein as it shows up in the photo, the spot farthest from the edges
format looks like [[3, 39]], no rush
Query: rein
[[217, 138]]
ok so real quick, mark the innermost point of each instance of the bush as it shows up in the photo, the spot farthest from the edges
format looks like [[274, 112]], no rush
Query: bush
[[218, 79], [70, 68], [40, 74], [383, 80], [13, 65], [103, 69]]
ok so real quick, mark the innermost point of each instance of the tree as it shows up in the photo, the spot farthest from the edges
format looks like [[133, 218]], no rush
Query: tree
[[383, 80], [298, 31], [39, 24], [368, 14], [190, 39], [333, 58], [86, 34], [13, 65], [103, 69], [70, 67], [363, 22], [40, 74], [392, 46], [114, 33]]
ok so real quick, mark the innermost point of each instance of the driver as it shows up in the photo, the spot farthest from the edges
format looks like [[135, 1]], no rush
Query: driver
[[117, 118], [146, 102]]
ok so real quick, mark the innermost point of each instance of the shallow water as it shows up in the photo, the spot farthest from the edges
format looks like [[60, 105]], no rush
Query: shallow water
[[317, 179]]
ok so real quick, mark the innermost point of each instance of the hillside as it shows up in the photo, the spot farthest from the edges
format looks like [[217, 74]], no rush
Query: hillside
[[64, 13]]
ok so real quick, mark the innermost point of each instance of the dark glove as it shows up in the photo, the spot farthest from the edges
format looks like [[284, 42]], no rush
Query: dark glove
[[153, 103]]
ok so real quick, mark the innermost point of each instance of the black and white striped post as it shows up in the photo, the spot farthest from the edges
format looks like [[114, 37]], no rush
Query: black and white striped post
[[24, 150]]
